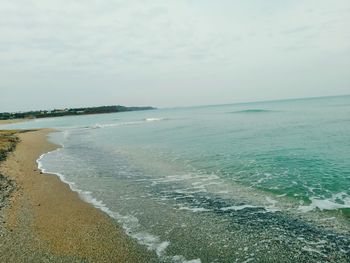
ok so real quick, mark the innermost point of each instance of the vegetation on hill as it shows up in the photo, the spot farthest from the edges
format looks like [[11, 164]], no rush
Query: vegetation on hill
[[68, 112]]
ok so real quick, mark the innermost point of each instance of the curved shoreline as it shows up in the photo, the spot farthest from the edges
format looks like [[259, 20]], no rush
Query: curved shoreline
[[47, 220], [152, 242]]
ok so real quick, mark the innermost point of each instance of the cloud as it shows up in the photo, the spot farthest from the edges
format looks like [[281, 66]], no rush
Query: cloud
[[297, 30], [184, 40], [121, 34]]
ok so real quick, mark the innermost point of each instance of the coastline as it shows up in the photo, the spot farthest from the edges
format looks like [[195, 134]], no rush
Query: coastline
[[46, 220], [4, 122]]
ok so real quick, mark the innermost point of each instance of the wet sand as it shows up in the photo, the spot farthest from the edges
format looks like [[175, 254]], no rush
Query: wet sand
[[12, 121], [47, 222]]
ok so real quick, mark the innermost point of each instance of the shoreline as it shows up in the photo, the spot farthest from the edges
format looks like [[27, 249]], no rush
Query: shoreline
[[12, 121], [46, 220]]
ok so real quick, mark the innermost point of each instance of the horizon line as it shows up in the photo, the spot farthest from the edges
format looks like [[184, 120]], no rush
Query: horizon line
[[255, 101], [194, 106]]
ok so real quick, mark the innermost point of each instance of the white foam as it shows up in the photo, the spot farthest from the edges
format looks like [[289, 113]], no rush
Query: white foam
[[194, 209], [66, 133], [327, 204], [151, 241], [271, 201], [161, 247], [312, 250], [190, 191], [107, 125], [129, 223], [182, 259], [175, 178], [154, 119], [237, 207], [272, 207], [328, 218], [197, 260], [322, 205]]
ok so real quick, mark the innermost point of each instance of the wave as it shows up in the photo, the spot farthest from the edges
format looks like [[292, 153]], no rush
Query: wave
[[107, 125], [252, 111], [238, 207], [153, 119], [181, 259], [99, 126], [328, 203], [129, 223], [194, 209]]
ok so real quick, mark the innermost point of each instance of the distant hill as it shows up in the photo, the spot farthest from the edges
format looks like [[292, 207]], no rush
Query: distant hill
[[69, 112]]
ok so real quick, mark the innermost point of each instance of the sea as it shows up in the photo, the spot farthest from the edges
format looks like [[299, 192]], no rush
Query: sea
[[247, 182]]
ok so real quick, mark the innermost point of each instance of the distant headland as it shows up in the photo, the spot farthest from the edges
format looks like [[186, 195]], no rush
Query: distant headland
[[69, 112]]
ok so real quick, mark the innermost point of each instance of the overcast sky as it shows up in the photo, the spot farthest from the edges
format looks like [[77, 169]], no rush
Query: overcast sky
[[166, 53]]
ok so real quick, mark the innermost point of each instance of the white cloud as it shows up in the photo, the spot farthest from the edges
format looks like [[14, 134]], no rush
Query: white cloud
[[184, 40]]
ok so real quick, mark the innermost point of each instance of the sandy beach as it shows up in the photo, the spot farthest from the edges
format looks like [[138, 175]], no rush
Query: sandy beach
[[11, 121], [44, 221]]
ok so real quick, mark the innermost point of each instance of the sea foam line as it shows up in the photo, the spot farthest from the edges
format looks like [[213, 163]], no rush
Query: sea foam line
[[129, 223], [327, 204], [152, 242], [106, 125]]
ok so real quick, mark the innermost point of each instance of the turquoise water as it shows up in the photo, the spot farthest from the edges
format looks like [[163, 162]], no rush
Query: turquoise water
[[254, 182]]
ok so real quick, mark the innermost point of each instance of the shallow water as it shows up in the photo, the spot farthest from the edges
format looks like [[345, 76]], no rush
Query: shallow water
[[255, 182]]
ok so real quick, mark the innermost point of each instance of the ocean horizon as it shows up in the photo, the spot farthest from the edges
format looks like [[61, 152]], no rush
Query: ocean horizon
[[244, 182]]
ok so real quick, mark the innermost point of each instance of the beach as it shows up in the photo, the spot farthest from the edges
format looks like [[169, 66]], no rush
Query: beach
[[12, 121], [199, 185], [44, 221]]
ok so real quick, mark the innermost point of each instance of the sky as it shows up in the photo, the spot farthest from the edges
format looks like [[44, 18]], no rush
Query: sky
[[168, 53]]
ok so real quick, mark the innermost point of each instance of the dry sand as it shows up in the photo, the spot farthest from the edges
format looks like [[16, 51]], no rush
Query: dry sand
[[47, 222]]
